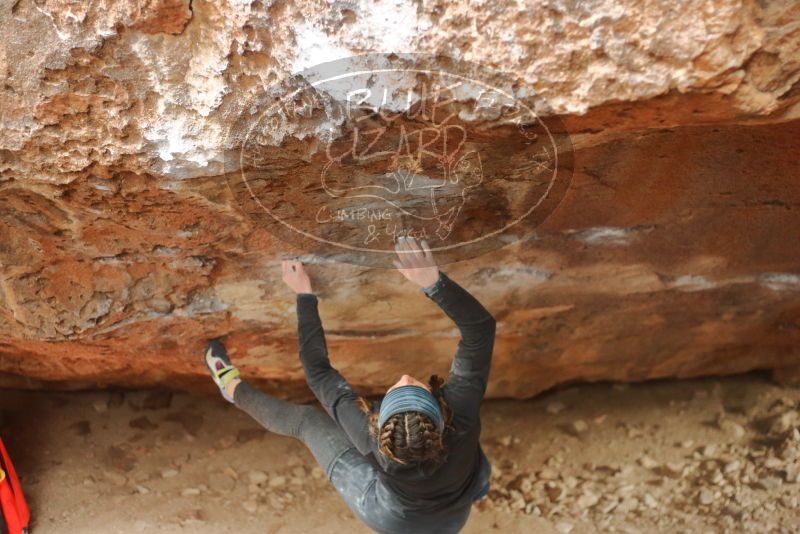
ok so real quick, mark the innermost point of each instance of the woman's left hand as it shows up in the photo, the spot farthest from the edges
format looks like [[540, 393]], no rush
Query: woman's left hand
[[294, 275], [416, 262]]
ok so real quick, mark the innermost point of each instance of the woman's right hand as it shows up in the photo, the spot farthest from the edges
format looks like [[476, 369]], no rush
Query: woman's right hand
[[295, 276], [416, 262]]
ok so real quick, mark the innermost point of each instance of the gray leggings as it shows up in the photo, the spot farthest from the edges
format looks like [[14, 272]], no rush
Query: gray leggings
[[354, 478], [309, 424]]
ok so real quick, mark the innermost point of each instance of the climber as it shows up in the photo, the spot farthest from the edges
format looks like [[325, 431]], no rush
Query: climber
[[411, 462]]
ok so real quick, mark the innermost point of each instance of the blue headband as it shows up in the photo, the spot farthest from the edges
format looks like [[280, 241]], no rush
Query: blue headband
[[410, 399]]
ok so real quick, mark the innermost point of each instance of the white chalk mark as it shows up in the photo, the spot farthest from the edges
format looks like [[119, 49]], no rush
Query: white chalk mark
[[780, 281], [605, 235]]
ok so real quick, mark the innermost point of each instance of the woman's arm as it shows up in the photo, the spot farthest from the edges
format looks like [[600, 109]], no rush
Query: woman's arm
[[330, 388], [469, 372]]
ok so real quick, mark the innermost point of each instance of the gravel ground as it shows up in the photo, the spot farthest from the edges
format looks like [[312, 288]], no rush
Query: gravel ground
[[711, 455]]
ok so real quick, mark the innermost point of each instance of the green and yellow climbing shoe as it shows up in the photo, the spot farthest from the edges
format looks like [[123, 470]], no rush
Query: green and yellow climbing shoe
[[220, 366]]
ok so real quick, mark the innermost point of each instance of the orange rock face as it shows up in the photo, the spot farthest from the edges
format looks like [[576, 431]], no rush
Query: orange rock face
[[125, 243]]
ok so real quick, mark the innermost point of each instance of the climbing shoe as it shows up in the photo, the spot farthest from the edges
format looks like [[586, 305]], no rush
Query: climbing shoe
[[220, 366]]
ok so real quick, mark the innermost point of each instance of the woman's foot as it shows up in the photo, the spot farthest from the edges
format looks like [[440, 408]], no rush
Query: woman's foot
[[222, 370]]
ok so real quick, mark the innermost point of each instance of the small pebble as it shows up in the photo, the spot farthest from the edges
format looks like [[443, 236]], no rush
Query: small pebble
[[250, 506], [706, 496], [579, 426], [277, 482], [647, 462], [257, 477]]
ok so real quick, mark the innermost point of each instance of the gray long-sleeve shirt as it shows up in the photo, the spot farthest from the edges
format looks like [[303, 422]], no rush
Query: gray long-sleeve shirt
[[466, 470]]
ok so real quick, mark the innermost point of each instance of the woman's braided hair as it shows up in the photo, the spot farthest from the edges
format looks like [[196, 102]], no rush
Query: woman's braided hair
[[411, 437]]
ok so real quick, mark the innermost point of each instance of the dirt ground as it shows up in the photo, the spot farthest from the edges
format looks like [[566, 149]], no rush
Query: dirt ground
[[712, 455]]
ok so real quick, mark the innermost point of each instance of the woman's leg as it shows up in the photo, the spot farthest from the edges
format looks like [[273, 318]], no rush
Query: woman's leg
[[353, 476], [309, 424], [349, 472]]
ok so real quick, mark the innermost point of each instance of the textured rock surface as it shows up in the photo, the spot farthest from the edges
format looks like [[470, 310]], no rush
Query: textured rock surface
[[674, 252]]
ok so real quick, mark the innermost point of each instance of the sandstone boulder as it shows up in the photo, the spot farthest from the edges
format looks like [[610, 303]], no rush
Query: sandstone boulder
[[672, 252]]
